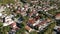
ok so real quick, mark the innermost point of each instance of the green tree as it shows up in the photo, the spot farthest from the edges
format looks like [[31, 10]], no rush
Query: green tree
[[1, 24], [34, 32]]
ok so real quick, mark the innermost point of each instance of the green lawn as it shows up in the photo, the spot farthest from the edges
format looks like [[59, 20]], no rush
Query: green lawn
[[1, 24], [6, 1], [50, 28]]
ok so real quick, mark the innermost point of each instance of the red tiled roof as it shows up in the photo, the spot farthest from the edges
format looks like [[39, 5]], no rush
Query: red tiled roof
[[43, 22], [48, 20], [31, 20], [17, 11], [13, 24], [27, 28], [57, 15]]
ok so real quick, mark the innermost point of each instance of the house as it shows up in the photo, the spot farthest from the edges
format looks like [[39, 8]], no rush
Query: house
[[57, 29], [23, 13], [12, 15], [2, 8], [18, 11], [26, 7], [57, 16], [8, 21], [0, 14], [34, 1], [31, 20], [7, 5], [37, 14], [37, 22], [33, 13], [41, 25], [14, 26], [38, 26], [37, 17], [48, 20], [28, 28], [2, 17]]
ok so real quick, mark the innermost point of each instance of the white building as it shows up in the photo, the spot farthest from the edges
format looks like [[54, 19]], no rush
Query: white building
[[8, 21]]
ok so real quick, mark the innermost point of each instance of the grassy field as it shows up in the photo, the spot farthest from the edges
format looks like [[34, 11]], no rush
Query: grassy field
[[6, 1]]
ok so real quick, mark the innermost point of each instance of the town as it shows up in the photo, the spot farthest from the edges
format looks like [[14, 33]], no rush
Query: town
[[30, 17]]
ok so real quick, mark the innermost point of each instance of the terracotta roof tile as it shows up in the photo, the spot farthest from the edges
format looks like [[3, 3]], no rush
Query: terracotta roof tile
[[27, 28], [43, 22], [57, 16], [31, 20]]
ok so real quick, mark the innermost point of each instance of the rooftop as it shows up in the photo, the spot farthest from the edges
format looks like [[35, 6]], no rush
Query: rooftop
[[57, 16]]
